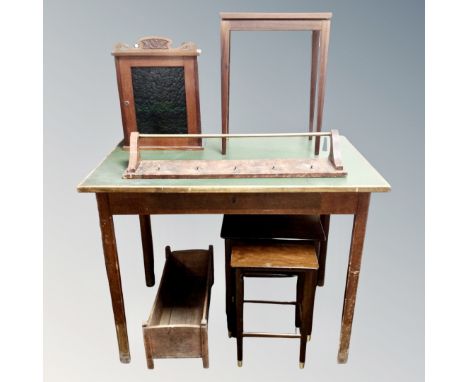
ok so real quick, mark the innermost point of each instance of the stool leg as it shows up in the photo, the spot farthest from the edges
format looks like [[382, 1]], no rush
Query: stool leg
[[302, 351], [314, 276], [148, 253], [230, 290], [299, 295], [306, 319], [239, 314]]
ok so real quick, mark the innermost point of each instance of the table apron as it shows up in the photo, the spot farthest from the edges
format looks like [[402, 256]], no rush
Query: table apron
[[233, 203]]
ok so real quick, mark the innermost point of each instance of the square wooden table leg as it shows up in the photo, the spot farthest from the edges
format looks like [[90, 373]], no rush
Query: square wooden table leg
[[324, 39], [225, 63], [147, 244], [325, 220], [314, 278], [230, 290], [352, 278], [113, 274], [313, 78], [299, 297]]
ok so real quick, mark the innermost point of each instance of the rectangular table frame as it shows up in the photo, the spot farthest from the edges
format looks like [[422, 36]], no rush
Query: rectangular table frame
[[145, 204], [317, 23]]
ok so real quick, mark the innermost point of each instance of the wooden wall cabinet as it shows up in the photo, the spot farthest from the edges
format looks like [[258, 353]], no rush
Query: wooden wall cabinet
[[158, 89]]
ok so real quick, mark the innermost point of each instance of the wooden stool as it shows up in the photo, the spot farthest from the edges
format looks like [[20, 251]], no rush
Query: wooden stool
[[296, 227], [272, 259]]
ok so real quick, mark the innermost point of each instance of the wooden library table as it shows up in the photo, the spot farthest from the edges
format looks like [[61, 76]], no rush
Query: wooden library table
[[315, 196]]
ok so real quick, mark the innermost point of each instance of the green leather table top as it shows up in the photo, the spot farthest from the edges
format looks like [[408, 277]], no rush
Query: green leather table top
[[362, 177]]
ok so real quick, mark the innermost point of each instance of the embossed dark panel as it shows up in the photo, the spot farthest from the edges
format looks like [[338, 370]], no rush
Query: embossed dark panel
[[160, 102]]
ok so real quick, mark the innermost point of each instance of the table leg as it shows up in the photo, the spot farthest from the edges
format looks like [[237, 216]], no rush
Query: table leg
[[147, 244], [325, 220], [113, 274], [324, 40], [299, 298], [352, 278], [313, 78], [225, 75], [230, 290]]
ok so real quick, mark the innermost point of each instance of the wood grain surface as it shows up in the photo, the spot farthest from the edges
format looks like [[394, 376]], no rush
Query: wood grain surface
[[273, 254], [178, 323], [255, 168]]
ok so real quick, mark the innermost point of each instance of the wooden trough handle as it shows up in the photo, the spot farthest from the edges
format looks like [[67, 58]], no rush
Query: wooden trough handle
[[334, 156]]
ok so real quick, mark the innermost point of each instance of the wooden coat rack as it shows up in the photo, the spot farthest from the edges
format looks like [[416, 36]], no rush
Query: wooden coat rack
[[316, 167]]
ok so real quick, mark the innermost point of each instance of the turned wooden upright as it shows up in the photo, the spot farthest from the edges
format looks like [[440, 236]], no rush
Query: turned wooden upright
[[318, 23]]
